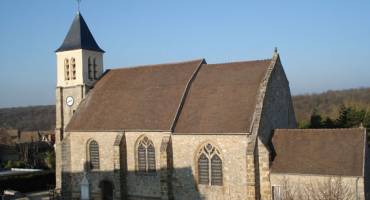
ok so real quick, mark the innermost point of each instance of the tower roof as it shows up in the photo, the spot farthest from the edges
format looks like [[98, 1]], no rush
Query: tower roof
[[79, 37]]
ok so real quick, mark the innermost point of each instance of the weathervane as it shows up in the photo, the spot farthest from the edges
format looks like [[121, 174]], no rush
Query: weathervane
[[78, 4]]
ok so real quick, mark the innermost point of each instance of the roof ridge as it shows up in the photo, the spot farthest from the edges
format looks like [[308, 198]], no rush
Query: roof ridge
[[158, 64], [244, 61]]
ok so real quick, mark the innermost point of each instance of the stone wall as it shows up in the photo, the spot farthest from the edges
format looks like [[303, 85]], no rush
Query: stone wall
[[141, 186], [184, 177], [79, 159], [277, 112], [117, 153], [302, 186]]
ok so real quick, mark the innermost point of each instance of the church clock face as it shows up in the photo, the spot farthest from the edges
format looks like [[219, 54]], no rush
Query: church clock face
[[69, 101]]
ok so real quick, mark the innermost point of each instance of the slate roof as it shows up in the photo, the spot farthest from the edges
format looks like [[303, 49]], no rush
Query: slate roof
[[79, 37], [319, 151], [220, 98]]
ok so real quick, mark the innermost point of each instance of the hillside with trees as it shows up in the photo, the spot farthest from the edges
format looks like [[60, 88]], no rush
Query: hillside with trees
[[31, 118], [343, 108], [333, 109]]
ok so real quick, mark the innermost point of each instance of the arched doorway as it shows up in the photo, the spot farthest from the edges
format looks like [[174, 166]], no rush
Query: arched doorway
[[106, 190]]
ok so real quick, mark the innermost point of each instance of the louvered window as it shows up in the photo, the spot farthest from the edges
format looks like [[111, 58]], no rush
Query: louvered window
[[95, 70], [209, 166], [151, 158], [73, 63], [94, 155], [203, 166], [66, 69], [216, 164], [141, 158], [146, 156], [90, 69]]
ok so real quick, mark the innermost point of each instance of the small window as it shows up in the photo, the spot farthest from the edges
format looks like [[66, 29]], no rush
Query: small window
[[90, 69], [276, 193], [209, 166], [94, 155], [95, 70], [73, 63], [66, 69], [146, 156]]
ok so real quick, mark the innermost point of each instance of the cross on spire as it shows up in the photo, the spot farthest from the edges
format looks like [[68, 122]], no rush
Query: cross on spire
[[78, 4]]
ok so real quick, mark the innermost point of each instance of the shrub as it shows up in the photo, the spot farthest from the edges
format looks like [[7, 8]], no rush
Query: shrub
[[30, 182]]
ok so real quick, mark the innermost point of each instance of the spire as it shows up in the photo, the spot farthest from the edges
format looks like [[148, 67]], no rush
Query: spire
[[79, 37]]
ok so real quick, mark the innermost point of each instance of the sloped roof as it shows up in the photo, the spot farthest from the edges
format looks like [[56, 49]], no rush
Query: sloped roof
[[140, 98], [220, 98], [319, 151], [79, 37]]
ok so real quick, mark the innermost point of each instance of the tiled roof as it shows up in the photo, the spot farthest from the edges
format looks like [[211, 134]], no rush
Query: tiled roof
[[220, 98], [319, 151]]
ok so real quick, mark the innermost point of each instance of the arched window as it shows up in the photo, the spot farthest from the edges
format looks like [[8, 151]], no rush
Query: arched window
[[209, 165], [145, 155], [73, 63], [93, 155], [95, 70], [90, 69], [66, 69]]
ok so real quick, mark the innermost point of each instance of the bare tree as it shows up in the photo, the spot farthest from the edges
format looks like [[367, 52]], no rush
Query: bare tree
[[328, 189]]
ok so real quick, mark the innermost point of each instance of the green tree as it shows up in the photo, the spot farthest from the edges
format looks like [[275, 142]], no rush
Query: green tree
[[350, 117], [328, 123], [316, 120]]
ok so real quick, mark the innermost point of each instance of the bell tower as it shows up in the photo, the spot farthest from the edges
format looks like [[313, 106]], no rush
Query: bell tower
[[79, 66]]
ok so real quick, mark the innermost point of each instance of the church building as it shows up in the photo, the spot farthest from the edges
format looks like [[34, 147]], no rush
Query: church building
[[185, 130]]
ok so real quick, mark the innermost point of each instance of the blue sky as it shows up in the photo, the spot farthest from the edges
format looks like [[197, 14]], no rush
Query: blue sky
[[324, 45]]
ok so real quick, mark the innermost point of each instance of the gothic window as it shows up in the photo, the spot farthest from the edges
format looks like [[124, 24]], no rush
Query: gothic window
[[95, 70], [90, 69], [66, 69], [73, 63], [94, 155], [209, 166], [145, 156]]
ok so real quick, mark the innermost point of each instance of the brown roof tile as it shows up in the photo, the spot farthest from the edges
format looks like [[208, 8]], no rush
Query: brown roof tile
[[319, 151], [140, 98], [222, 98]]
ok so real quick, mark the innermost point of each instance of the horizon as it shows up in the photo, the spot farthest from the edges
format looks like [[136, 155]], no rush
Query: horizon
[[323, 45]]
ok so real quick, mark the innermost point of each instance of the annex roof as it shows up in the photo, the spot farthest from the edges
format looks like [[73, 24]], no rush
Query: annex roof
[[187, 97], [79, 37], [319, 151]]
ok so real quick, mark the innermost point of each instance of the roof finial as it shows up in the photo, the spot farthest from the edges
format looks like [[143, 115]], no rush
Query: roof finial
[[78, 5]]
